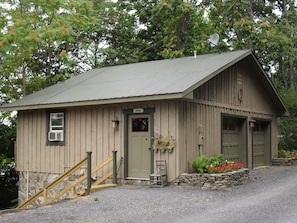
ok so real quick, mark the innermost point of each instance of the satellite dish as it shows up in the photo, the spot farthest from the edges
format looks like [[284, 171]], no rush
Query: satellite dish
[[213, 40]]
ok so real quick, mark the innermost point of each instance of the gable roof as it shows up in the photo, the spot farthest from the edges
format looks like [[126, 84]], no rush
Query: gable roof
[[162, 79]]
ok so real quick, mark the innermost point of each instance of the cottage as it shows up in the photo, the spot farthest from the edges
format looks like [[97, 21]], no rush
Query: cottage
[[211, 104]]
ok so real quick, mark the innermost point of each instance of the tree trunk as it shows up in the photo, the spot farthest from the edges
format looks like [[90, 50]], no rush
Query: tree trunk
[[24, 80], [291, 69], [283, 72]]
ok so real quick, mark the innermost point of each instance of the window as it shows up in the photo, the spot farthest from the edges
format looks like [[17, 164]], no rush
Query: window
[[140, 125], [56, 126]]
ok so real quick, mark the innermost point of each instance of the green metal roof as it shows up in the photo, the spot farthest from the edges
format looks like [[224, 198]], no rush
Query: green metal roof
[[153, 80]]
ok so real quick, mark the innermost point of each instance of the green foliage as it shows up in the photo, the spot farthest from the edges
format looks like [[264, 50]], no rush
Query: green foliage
[[215, 164], [288, 125], [200, 164], [184, 28], [8, 183], [37, 41], [8, 175], [282, 153], [217, 160], [287, 133]]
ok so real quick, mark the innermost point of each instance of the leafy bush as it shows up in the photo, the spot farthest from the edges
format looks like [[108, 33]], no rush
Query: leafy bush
[[8, 175], [200, 164], [8, 183], [288, 125], [288, 133], [215, 164], [282, 153]]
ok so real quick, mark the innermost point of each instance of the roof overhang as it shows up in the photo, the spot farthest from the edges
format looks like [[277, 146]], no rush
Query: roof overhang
[[282, 110], [221, 69], [177, 88], [95, 102]]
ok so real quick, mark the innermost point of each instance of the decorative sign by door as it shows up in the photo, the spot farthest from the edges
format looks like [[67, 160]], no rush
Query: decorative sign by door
[[138, 110]]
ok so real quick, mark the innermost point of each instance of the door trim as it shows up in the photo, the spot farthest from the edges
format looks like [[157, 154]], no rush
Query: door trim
[[127, 114]]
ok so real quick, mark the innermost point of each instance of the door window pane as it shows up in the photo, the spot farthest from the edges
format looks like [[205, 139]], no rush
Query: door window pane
[[140, 125]]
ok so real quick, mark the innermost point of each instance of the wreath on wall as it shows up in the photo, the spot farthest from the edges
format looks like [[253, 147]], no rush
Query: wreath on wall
[[164, 143]]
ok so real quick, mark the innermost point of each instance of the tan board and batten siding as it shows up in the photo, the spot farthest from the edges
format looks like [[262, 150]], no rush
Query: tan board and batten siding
[[236, 91], [87, 129]]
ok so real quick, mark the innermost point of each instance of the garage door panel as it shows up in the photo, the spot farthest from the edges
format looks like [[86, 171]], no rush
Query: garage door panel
[[261, 147], [231, 145], [234, 145]]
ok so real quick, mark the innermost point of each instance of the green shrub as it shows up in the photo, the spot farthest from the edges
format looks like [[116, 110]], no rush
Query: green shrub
[[200, 164], [217, 160], [215, 164], [288, 125], [282, 153]]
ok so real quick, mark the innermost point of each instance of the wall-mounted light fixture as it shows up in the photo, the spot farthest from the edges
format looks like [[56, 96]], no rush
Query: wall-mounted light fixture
[[252, 123], [115, 123]]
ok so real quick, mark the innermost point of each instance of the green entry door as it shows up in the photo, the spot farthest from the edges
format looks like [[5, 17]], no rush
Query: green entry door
[[139, 140]]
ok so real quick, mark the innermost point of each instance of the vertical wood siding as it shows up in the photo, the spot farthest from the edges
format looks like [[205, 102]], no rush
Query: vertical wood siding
[[87, 129], [236, 86], [165, 124], [235, 91], [210, 117]]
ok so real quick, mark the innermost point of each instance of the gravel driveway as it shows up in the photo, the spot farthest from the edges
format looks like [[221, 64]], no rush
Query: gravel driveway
[[269, 197]]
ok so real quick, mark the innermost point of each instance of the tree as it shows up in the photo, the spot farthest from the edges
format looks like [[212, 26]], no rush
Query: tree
[[283, 42], [133, 33], [241, 24], [152, 30], [288, 125], [184, 28], [36, 43], [38, 47], [8, 175]]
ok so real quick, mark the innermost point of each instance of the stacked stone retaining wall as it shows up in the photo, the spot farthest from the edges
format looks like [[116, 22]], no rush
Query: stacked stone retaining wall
[[32, 182], [284, 162], [219, 181]]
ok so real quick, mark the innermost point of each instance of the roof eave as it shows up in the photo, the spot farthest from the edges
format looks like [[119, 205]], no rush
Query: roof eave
[[218, 71], [93, 102], [284, 110]]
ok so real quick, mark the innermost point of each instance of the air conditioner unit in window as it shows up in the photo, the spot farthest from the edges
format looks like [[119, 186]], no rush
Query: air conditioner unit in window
[[55, 136]]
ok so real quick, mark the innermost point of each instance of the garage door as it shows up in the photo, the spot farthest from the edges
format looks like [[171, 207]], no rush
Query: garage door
[[234, 139], [261, 144]]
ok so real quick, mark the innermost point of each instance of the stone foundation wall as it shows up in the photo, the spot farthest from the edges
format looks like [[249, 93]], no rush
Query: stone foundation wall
[[32, 182], [220, 181], [284, 162]]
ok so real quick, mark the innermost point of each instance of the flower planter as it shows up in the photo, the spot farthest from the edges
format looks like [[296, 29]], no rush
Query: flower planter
[[163, 144], [164, 150], [218, 181]]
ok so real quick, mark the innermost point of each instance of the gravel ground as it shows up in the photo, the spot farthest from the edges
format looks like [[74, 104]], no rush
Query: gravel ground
[[269, 197]]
